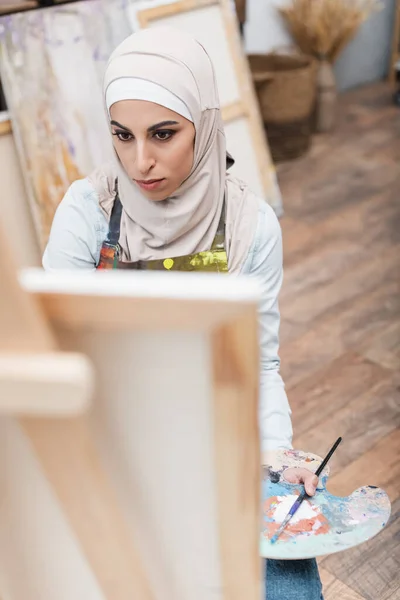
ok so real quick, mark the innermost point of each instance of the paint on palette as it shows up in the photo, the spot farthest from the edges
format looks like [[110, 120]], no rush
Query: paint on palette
[[323, 524], [308, 517]]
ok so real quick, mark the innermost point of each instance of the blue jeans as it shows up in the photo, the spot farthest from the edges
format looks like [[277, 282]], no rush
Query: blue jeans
[[293, 580]]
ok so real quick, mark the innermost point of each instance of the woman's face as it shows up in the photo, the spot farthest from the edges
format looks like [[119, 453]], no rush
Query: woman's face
[[154, 144]]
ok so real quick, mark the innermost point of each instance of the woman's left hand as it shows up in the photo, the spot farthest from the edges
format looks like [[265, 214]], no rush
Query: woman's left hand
[[300, 475]]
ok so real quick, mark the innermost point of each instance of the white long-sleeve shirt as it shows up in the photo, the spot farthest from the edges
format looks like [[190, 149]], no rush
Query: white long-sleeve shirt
[[77, 234]]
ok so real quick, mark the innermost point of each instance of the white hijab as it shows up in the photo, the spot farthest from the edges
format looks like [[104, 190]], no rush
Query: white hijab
[[176, 65]]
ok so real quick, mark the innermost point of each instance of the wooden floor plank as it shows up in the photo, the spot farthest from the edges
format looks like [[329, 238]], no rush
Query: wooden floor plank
[[392, 591], [339, 590], [334, 589], [326, 577], [361, 422], [340, 307], [348, 164], [374, 218], [384, 348], [321, 297], [329, 187], [333, 387], [381, 465], [332, 337], [317, 269]]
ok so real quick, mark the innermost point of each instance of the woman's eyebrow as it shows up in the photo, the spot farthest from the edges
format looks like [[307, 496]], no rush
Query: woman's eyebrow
[[121, 126], [162, 124]]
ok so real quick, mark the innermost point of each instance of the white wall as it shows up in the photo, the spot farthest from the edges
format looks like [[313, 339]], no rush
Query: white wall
[[264, 29], [367, 57]]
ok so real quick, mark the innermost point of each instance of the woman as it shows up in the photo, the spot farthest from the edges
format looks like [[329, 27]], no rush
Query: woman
[[166, 202]]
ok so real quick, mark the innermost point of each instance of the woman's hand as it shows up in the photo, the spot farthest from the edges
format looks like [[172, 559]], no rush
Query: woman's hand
[[300, 475]]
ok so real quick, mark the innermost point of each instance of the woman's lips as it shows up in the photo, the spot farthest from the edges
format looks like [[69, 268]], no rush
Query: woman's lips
[[149, 184]]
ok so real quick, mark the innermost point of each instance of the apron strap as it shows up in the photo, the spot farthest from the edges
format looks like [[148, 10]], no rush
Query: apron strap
[[115, 219]]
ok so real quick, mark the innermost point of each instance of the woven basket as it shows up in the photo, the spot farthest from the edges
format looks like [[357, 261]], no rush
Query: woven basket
[[286, 90]]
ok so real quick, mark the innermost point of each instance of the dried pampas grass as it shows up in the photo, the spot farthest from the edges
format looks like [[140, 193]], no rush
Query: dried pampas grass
[[323, 28]]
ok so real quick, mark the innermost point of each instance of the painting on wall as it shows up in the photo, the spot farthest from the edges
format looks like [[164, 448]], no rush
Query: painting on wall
[[52, 63]]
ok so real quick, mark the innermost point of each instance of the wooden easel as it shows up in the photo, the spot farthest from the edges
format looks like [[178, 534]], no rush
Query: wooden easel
[[152, 491], [46, 391]]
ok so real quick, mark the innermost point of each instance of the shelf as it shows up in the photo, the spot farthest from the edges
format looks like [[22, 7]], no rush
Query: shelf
[[12, 7], [15, 7]]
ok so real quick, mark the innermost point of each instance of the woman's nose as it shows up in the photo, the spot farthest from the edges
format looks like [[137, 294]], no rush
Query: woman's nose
[[144, 159]]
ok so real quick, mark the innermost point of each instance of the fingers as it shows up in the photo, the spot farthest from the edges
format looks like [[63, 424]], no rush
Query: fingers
[[310, 484], [291, 475], [296, 474], [299, 475]]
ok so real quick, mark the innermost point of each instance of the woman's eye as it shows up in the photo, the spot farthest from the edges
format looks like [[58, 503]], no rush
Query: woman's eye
[[163, 135], [123, 136]]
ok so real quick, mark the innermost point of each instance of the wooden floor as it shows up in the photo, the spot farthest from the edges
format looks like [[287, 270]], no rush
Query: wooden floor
[[340, 304]]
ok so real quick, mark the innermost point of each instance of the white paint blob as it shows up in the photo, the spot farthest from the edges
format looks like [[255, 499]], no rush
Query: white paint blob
[[285, 503]]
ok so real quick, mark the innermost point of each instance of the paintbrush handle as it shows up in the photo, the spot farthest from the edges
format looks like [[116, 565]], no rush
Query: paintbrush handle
[[297, 503], [327, 457]]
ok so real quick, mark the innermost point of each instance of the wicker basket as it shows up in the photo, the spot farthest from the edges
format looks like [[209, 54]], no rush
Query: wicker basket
[[286, 90]]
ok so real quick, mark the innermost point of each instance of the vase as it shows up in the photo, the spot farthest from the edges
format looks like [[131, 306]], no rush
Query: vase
[[326, 97]]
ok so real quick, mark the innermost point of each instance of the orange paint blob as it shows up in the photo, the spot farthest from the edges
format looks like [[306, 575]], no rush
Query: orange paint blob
[[317, 525]]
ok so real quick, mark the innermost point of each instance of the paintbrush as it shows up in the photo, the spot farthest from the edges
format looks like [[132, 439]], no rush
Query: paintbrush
[[303, 495]]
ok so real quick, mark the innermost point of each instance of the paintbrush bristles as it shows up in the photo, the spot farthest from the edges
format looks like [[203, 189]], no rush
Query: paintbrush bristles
[[322, 28], [281, 528]]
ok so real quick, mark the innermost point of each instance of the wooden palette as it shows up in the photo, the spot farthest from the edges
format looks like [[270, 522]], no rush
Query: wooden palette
[[325, 524]]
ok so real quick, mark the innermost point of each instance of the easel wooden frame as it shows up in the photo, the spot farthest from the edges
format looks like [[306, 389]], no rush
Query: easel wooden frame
[[65, 448], [233, 331], [36, 315], [247, 106]]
